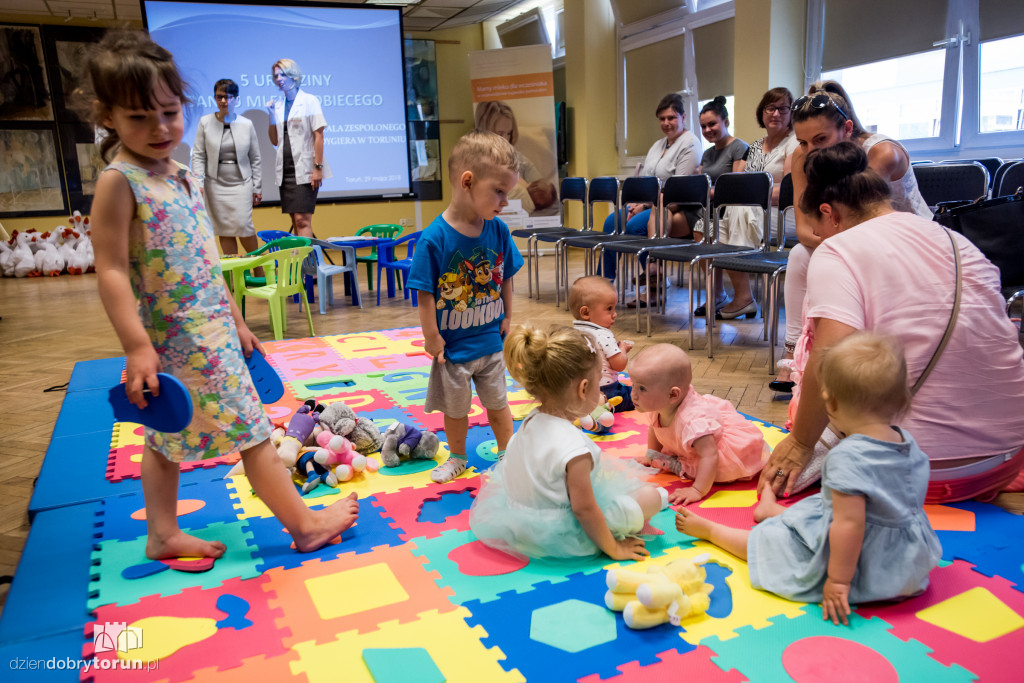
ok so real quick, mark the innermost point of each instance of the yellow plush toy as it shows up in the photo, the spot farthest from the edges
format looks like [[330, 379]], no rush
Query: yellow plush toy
[[666, 593]]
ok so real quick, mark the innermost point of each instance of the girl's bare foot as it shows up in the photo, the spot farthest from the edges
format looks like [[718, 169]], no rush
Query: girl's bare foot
[[326, 524], [181, 544], [692, 524], [767, 506]]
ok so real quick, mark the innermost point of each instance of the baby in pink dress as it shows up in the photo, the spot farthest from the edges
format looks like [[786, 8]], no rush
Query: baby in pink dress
[[695, 437]]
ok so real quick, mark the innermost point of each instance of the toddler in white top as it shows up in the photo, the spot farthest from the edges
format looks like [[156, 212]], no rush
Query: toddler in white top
[[553, 494]]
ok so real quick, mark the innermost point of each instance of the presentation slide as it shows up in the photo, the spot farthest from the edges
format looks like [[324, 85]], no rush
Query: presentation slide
[[351, 60]]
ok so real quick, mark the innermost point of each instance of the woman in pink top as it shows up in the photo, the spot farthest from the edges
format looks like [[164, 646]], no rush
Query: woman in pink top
[[695, 437], [894, 273]]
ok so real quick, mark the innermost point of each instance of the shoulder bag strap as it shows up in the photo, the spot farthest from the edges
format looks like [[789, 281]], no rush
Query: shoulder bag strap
[[952, 319]]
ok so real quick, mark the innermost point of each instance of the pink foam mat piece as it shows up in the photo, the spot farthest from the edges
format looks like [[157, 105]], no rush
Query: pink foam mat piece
[[476, 559], [695, 665], [316, 362], [435, 421], [390, 363], [226, 648], [991, 661], [403, 508], [121, 465]]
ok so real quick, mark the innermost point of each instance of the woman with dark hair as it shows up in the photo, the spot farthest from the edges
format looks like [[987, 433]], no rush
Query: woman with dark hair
[[823, 118], [901, 275], [677, 153], [226, 157], [725, 155], [297, 126]]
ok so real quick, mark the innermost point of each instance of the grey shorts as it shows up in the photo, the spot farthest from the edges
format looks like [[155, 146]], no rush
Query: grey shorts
[[449, 389]]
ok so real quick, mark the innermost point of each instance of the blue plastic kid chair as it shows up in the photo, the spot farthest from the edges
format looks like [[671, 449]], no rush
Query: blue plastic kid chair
[[325, 273], [386, 261]]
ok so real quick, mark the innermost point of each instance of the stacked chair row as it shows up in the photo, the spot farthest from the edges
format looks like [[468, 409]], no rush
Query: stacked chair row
[[706, 258]]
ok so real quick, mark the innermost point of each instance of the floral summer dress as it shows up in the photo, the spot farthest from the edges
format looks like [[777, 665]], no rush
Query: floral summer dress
[[175, 273]]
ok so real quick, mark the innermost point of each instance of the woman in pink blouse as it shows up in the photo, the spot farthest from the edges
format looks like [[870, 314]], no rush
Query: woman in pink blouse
[[894, 273]]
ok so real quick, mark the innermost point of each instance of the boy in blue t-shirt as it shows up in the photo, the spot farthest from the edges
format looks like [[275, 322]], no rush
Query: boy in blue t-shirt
[[462, 269]]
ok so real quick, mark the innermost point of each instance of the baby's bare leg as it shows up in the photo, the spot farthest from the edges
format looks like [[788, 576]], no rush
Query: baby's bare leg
[[650, 501], [160, 490], [725, 537], [311, 529]]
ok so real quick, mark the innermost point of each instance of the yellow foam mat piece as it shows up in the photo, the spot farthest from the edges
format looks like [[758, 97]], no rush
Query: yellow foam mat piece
[[370, 345], [772, 435], [454, 646], [613, 438], [165, 635], [521, 410], [334, 597], [976, 614], [123, 434], [730, 499], [750, 607]]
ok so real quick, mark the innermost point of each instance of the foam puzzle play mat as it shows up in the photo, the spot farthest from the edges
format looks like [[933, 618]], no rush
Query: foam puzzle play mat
[[409, 595]]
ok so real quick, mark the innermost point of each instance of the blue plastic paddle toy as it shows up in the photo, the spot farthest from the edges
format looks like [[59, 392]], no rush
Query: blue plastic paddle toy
[[268, 383], [170, 411]]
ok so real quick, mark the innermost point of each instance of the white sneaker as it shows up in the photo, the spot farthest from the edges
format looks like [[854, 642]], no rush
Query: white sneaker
[[448, 470]]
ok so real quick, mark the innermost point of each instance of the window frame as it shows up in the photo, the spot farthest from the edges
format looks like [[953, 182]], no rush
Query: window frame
[[960, 125]]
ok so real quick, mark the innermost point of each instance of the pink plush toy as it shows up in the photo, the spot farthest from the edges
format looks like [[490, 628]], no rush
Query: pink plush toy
[[338, 454]]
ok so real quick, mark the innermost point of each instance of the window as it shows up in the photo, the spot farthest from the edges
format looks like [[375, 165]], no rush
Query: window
[[943, 76], [1002, 84]]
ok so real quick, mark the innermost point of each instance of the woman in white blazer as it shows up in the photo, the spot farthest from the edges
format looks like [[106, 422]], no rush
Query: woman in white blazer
[[300, 168], [226, 157]]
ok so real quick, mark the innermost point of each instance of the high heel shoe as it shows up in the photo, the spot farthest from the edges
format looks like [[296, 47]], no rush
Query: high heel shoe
[[748, 311], [782, 383]]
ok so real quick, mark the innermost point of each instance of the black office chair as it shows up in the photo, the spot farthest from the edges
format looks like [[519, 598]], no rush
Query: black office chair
[[1011, 180], [731, 189], [997, 177], [571, 189], [991, 165], [951, 182], [603, 190], [770, 265]]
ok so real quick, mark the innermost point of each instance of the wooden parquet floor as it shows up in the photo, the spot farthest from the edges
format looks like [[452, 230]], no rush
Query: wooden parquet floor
[[49, 324]]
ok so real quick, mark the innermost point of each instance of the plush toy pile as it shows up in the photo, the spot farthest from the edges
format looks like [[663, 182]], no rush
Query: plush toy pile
[[329, 445], [37, 254]]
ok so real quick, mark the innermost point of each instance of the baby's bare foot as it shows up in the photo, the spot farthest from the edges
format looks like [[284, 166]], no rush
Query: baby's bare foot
[[692, 524], [327, 524], [767, 506], [182, 545]]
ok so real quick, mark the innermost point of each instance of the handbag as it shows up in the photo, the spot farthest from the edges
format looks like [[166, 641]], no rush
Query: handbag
[[996, 227]]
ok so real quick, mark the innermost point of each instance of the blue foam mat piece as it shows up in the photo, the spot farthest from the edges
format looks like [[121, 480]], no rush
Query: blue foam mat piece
[[508, 622], [96, 374], [74, 471], [75, 468], [16, 659], [51, 586], [85, 412]]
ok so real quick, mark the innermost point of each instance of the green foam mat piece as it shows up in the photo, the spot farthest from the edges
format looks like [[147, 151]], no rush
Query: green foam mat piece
[[399, 665]]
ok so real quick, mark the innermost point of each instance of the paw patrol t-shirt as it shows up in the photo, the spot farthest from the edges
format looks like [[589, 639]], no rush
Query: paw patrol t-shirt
[[465, 275]]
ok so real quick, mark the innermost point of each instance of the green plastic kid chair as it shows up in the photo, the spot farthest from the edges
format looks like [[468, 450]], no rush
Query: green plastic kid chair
[[273, 244], [284, 278], [388, 230]]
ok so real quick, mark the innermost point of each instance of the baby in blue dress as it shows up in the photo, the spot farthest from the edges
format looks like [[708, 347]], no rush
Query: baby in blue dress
[[865, 537]]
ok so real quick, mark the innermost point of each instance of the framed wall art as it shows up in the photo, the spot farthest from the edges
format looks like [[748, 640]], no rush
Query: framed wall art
[[24, 87], [31, 182]]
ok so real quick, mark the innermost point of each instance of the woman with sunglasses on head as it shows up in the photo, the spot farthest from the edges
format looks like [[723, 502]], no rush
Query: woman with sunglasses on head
[[742, 226], [823, 118], [226, 157]]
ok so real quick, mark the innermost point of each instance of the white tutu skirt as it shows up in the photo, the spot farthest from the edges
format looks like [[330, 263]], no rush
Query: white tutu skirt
[[514, 528]]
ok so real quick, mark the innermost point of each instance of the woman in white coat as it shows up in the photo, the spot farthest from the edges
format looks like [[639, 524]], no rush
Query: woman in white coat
[[226, 157], [300, 168]]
